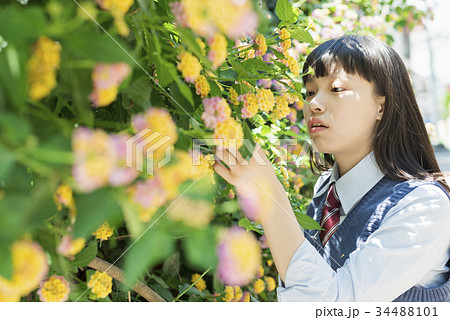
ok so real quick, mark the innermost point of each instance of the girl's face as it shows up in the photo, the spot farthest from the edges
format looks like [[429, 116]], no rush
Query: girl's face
[[347, 106]]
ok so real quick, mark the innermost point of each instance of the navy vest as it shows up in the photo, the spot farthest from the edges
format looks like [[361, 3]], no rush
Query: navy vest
[[366, 217]]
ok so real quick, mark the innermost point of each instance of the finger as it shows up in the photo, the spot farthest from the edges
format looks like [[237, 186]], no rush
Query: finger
[[259, 155], [226, 156], [222, 171]]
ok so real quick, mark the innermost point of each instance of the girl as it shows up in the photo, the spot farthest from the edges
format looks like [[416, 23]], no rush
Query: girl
[[381, 199]]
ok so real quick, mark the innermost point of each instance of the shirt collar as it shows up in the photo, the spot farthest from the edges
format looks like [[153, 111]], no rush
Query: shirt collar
[[355, 183]]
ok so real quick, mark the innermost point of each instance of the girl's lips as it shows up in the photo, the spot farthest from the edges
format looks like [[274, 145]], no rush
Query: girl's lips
[[317, 129]]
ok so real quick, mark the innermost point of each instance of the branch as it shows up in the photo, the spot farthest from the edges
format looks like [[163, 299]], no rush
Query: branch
[[119, 275]]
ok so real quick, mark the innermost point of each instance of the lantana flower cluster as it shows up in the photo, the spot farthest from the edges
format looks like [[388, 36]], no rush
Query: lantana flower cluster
[[100, 159], [106, 80], [42, 67], [239, 256], [118, 9], [100, 284], [54, 289], [206, 17], [104, 232], [29, 267]]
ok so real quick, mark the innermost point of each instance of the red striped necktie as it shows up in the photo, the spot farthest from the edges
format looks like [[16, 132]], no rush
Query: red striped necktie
[[330, 215]]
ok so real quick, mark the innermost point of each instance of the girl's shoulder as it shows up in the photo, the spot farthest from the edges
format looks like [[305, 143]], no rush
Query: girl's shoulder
[[431, 188]]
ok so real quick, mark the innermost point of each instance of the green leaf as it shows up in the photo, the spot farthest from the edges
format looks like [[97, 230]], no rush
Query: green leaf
[[255, 65], [239, 69], [215, 90], [93, 210], [96, 46], [139, 91], [152, 248], [285, 11], [166, 72], [200, 248], [301, 35], [185, 91], [86, 255], [6, 262], [247, 148], [171, 266], [278, 54], [13, 127], [306, 222], [163, 292], [202, 189], [13, 76], [265, 130], [192, 290], [6, 161], [21, 24], [250, 226]]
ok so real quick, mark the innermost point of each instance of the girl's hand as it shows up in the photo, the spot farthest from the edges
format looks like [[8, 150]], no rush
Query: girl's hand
[[257, 170]]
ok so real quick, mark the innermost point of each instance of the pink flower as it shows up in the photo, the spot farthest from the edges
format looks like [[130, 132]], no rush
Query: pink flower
[[106, 80], [239, 256], [150, 193], [179, 13], [216, 110], [121, 174]]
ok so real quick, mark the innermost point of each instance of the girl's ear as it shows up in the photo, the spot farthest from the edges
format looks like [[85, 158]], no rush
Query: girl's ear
[[381, 108]]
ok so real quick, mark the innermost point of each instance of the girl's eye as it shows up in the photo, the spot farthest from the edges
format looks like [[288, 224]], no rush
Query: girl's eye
[[309, 93], [336, 89]]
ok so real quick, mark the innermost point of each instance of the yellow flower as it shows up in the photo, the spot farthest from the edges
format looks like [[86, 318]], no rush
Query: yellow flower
[[42, 67], [246, 297], [261, 45], [281, 107], [29, 267], [259, 286], [118, 9], [189, 66], [54, 289], [229, 293], [201, 44], [106, 79], [298, 183], [293, 65], [63, 196], [250, 102], [217, 50], [202, 86], [69, 247], [200, 284], [237, 293], [103, 232], [194, 213], [233, 96], [285, 36], [230, 134], [157, 120], [100, 284], [269, 263], [266, 99], [270, 283], [260, 272]]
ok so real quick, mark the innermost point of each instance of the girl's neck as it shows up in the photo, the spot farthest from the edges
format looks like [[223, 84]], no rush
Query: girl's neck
[[346, 161]]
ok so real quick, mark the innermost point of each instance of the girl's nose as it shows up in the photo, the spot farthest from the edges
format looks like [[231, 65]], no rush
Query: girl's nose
[[316, 106]]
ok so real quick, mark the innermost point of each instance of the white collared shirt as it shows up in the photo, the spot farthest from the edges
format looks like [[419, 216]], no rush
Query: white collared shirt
[[410, 248]]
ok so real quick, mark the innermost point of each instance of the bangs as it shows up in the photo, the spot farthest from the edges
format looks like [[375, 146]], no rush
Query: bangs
[[351, 53]]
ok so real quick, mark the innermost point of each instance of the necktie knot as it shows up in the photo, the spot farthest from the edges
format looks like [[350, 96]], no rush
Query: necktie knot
[[330, 215]]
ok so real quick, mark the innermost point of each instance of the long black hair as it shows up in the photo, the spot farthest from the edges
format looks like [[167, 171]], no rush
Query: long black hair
[[401, 145]]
